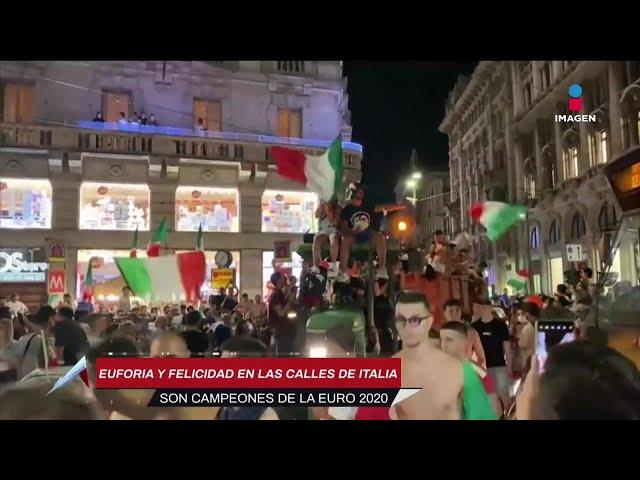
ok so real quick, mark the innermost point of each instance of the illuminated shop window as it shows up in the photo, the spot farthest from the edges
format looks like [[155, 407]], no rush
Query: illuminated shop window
[[216, 209], [291, 268], [289, 212], [25, 203], [207, 287], [114, 206], [107, 281]]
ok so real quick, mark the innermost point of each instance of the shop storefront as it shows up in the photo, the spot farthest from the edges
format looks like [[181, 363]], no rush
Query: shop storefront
[[24, 271], [25, 203], [114, 206], [290, 268], [216, 209], [289, 212]]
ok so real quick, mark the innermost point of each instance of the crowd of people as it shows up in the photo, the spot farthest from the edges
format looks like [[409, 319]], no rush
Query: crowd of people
[[200, 125], [477, 363]]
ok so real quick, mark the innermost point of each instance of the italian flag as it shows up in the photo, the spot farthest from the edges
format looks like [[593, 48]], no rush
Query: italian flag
[[497, 217], [159, 237], [320, 174], [88, 283], [169, 278]]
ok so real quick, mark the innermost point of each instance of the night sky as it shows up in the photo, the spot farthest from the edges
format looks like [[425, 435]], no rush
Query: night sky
[[397, 106]]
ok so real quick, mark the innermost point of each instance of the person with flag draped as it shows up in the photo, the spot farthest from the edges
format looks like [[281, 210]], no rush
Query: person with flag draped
[[87, 294]]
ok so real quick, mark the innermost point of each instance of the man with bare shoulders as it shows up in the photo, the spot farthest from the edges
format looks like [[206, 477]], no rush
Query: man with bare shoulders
[[450, 389]]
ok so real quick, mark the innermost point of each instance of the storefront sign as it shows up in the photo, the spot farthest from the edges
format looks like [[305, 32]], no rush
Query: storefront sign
[[13, 268], [222, 277], [56, 283], [282, 252]]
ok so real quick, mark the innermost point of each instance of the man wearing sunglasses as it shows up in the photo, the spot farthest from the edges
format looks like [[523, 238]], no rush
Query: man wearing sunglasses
[[447, 392]]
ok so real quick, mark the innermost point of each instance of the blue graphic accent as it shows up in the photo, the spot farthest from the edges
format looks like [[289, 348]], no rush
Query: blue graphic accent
[[70, 375], [575, 91]]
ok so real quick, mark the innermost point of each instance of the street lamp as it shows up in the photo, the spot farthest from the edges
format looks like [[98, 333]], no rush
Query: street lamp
[[416, 175], [402, 226], [411, 183]]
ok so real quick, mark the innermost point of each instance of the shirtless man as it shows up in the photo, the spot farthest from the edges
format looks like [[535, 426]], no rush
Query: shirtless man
[[440, 376], [453, 313]]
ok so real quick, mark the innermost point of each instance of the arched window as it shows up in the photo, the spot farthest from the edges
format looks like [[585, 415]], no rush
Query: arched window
[[554, 233], [578, 226], [549, 168], [534, 237], [530, 178], [608, 218]]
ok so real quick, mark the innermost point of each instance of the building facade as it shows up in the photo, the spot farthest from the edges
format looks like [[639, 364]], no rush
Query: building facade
[[88, 185], [514, 137]]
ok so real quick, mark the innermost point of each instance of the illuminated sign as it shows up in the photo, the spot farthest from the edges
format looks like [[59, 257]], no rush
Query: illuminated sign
[[13, 268], [624, 177]]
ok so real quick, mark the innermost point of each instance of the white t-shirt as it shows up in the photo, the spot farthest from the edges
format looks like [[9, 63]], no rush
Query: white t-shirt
[[17, 307]]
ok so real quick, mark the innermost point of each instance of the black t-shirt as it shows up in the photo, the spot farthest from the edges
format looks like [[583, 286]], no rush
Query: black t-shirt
[[197, 342], [492, 334], [71, 336], [217, 300], [229, 303], [382, 312], [364, 216], [276, 321]]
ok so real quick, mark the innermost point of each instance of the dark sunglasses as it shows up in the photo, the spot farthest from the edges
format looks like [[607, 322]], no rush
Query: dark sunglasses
[[412, 321]]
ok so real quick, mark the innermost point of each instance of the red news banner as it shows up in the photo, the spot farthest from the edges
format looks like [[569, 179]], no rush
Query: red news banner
[[248, 373], [257, 382]]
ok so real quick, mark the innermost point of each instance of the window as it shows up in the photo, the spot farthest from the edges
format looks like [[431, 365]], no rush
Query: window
[[289, 123], [571, 162], [292, 268], [526, 92], [554, 233], [114, 206], [593, 150], [549, 170], [291, 66], [25, 203], [19, 104], [114, 103], [603, 147], [578, 227], [289, 212], [107, 281], [208, 288], [534, 238], [210, 112], [545, 75], [608, 218], [216, 209]]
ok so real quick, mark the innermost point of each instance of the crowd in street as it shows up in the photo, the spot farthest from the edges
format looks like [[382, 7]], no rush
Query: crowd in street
[[471, 361]]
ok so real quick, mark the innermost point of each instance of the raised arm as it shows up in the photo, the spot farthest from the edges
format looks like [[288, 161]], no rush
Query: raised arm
[[389, 207]]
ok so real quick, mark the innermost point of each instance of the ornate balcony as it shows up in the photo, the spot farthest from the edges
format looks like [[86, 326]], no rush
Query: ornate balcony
[[127, 139]]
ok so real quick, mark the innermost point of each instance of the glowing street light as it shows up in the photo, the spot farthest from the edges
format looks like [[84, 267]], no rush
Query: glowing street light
[[416, 175], [411, 183], [402, 226]]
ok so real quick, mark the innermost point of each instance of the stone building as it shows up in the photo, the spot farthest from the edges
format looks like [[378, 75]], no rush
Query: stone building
[[87, 185], [514, 138]]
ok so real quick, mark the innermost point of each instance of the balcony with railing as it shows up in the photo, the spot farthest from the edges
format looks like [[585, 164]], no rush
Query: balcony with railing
[[87, 136]]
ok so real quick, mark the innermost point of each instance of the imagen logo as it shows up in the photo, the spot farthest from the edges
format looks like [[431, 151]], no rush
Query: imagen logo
[[575, 105], [575, 98]]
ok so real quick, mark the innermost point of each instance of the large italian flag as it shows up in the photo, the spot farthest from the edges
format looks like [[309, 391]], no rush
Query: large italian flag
[[170, 278], [497, 217], [321, 174]]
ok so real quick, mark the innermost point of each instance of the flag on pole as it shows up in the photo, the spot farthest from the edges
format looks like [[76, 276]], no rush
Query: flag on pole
[[199, 239], [170, 278], [134, 245], [159, 237], [497, 217], [88, 283], [320, 174]]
